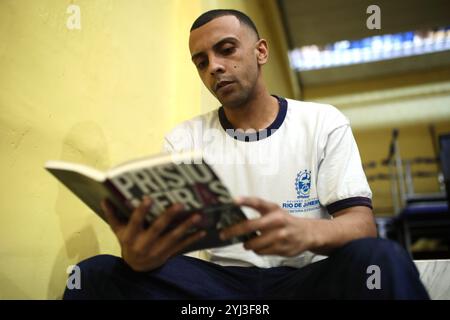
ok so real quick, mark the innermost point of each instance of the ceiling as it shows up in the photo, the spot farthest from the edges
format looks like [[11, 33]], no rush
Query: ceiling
[[322, 22]]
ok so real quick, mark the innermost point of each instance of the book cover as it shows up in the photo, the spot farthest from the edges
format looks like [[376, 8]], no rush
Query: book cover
[[166, 180]]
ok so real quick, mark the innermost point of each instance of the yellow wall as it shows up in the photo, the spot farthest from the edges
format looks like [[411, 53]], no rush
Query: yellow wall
[[98, 95]]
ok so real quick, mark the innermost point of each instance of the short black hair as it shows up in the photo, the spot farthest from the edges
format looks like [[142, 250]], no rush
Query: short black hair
[[213, 14]]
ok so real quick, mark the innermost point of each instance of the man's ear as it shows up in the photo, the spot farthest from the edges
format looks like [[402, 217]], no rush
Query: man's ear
[[262, 52]]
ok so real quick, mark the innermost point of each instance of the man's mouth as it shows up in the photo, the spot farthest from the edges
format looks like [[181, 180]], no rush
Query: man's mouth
[[222, 84]]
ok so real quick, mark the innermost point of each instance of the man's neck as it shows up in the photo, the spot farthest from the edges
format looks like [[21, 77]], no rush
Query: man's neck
[[256, 114]]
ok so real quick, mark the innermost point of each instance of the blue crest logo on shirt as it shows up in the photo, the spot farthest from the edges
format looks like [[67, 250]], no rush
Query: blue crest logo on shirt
[[303, 184]]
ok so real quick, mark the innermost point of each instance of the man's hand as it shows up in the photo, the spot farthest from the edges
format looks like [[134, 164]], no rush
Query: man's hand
[[280, 232], [145, 249], [283, 234]]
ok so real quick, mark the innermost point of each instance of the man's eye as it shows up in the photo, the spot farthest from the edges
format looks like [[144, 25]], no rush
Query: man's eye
[[201, 65], [227, 51]]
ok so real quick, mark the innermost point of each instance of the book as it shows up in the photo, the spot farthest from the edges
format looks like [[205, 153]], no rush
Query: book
[[166, 179]]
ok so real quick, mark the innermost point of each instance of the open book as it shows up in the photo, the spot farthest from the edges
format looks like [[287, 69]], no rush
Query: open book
[[167, 179]]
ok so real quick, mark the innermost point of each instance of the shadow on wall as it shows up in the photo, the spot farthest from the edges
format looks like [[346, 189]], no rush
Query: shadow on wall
[[8, 286], [85, 143]]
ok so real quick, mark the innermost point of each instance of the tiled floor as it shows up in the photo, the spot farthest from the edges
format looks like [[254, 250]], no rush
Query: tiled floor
[[435, 275]]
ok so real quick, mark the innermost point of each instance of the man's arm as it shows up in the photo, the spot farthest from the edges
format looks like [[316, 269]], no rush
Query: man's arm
[[286, 235], [348, 224]]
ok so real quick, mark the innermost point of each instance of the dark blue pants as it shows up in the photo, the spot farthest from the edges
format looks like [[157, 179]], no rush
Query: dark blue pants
[[343, 275]]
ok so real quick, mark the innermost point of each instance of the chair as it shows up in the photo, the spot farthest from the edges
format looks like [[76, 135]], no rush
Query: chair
[[418, 215], [444, 144]]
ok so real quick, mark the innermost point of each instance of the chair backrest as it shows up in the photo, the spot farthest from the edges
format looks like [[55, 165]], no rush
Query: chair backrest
[[444, 144]]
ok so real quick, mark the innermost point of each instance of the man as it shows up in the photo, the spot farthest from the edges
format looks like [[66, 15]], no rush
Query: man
[[306, 192]]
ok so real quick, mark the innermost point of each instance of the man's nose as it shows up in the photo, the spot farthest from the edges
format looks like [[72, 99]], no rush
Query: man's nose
[[216, 66]]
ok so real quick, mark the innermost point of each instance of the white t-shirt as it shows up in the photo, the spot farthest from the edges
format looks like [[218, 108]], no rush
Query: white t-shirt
[[307, 161]]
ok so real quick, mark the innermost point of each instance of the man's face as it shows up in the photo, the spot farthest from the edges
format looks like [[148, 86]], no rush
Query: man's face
[[225, 53]]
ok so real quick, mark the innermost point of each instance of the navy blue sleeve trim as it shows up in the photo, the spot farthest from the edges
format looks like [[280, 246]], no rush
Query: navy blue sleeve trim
[[349, 202]]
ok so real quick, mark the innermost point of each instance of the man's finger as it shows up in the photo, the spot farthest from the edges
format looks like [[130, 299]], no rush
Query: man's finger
[[188, 241], [180, 231], [161, 223], [267, 222], [256, 203], [262, 242], [111, 218], [137, 218]]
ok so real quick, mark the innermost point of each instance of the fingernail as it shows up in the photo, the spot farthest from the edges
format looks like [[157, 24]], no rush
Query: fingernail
[[146, 201]]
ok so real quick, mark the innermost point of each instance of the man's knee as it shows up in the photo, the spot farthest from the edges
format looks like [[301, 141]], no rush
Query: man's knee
[[90, 273], [106, 276], [108, 265], [378, 263], [374, 249], [368, 253], [101, 263]]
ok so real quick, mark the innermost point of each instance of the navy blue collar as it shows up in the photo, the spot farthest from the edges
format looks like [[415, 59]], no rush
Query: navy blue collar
[[255, 136]]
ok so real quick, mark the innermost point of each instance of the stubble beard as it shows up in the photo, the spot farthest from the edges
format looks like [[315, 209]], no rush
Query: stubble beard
[[243, 96]]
